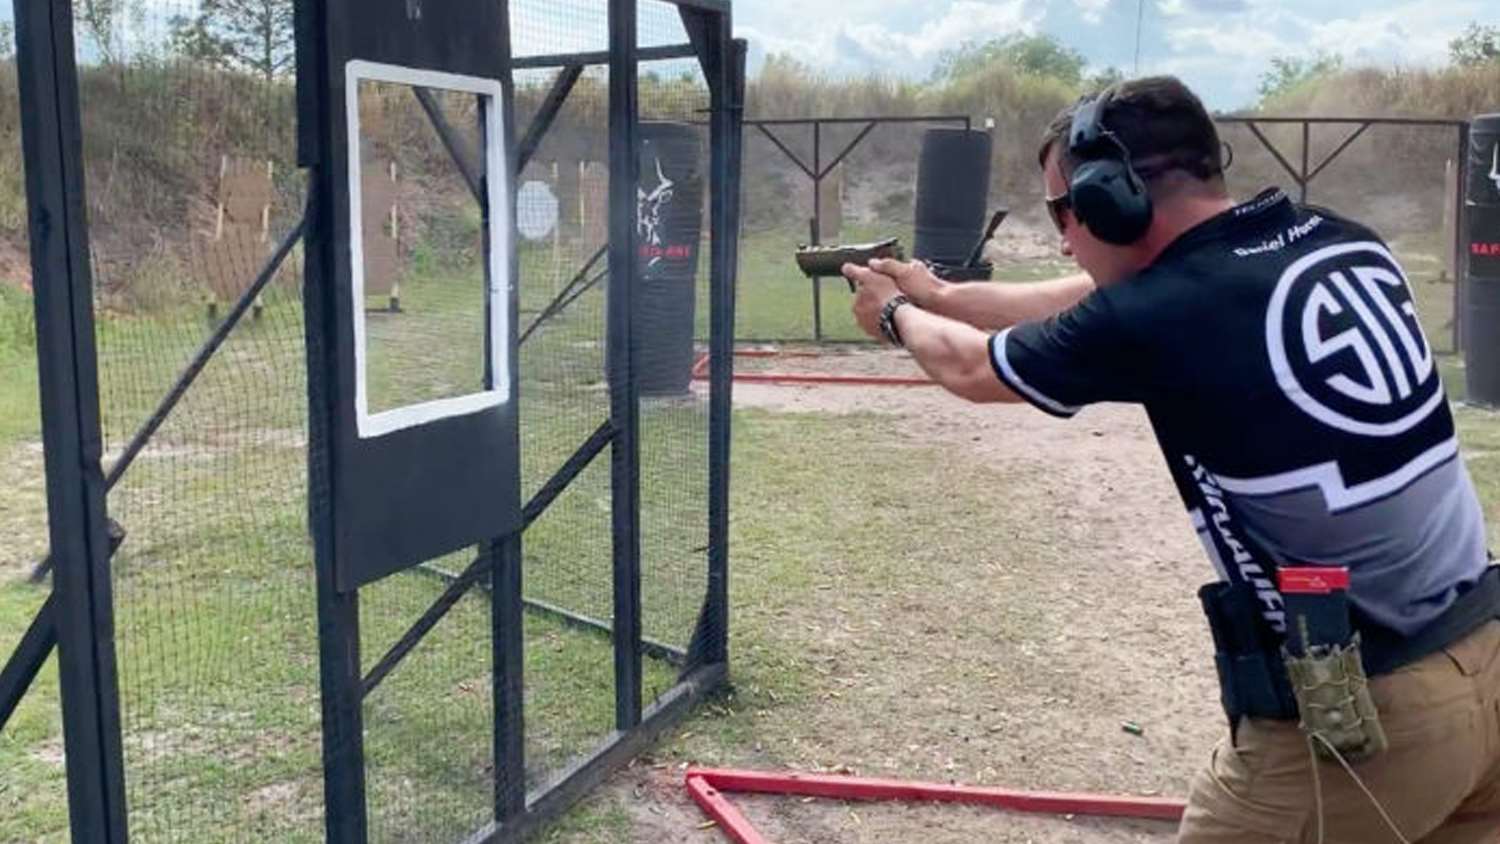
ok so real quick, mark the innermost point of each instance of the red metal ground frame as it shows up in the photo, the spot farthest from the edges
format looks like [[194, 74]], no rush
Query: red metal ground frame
[[708, 787]]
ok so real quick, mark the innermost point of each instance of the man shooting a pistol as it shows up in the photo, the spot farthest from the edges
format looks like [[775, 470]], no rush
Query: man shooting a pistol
[[1276, 351]]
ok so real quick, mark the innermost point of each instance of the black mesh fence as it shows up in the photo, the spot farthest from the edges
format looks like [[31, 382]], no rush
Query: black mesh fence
[[563, 216], [428, 734], [33, 786], [428, 726], [567, 575], [188, 125], [671, 300]]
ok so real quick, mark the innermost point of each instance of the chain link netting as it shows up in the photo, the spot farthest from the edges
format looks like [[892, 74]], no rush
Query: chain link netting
[[567, 572], [672, 300], [188, 148], [189, 152], [428, 728]]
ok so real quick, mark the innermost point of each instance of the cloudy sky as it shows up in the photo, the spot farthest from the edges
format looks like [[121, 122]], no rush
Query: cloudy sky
[[1220, 47]]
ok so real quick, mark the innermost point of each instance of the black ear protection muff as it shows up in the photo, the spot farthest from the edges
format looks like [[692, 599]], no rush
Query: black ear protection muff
[[1106, 193]]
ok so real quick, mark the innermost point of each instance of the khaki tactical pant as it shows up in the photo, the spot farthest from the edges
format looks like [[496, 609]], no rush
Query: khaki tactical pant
[[1439, 781]]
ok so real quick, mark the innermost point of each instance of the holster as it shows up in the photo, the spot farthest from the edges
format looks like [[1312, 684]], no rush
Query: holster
[[1252, 679], [1333, 696]]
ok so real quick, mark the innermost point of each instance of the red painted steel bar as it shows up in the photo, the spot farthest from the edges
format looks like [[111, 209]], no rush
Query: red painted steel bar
[[861, 788], [725, 814]]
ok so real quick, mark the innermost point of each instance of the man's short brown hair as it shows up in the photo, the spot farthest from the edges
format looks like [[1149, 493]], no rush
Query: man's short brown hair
[[1159, 120]]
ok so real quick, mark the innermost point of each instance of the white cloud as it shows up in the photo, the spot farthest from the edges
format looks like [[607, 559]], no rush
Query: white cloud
[[1092, 11], [1221, 46], [811, 12], [1412, 33], [1218, 7], [1241, 41], [1221, 85], [813, 49], [965, 20], [1228, 51], [855, 38], [1236, 50]]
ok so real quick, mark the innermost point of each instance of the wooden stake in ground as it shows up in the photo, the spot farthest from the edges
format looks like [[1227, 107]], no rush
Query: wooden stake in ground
[[1450, 205]]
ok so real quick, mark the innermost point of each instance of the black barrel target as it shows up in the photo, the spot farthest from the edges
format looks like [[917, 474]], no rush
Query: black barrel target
[[1482, 250], [953, 182], [669, 221]]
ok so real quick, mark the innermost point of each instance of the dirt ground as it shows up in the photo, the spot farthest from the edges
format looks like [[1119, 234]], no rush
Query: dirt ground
[[15, 266], [1043, 711]]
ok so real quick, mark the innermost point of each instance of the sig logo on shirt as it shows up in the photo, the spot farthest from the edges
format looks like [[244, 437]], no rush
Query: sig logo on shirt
[[1345, 344]]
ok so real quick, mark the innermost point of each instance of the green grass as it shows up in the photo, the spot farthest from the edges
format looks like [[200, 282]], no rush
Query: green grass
[[434, 348], [32, 788], [228, 738], [19, 411], [18, 394]]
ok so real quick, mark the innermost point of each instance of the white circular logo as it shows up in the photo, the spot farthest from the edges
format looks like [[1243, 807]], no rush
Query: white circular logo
[[536, 210], [1345, 343]]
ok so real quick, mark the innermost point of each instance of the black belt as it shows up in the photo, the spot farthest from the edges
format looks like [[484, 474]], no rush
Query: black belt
[[1252, 677], [1384, 650]]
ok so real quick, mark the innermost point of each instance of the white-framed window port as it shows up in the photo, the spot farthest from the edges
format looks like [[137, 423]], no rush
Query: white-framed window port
[[497, 183]]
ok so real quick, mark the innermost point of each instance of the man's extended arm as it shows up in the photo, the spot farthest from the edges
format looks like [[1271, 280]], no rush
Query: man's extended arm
[[952, 353], [987, 306]]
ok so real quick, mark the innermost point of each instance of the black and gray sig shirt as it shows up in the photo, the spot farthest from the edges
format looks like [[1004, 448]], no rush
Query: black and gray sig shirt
[[1277, 352]]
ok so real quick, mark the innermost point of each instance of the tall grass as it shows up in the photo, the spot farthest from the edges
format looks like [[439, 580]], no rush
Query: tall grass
[[1394, 177], [1452, 92]]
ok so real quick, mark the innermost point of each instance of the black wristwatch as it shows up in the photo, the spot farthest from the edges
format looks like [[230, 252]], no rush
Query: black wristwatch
[[888, 318]]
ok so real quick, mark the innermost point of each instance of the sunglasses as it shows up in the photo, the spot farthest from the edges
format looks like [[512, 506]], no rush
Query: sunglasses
[[1057, 206]]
